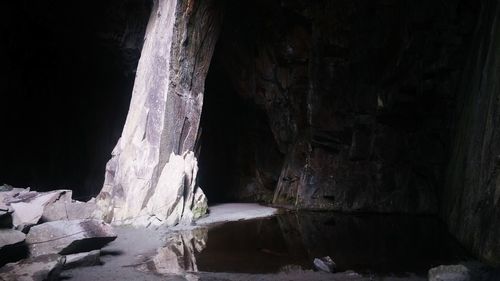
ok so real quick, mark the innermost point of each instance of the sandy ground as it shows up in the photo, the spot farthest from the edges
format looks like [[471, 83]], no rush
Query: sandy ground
[[121, 257]]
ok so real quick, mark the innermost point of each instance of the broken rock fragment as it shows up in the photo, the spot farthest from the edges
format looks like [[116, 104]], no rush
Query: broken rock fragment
[[69, 237], [41, 268], [10, 237], [325, 264], [28, 206], [83, 259]]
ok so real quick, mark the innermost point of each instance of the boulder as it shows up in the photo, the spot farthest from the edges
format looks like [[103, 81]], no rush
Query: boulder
[[467, 271], [83, 259], [68, 210], [28, 206], [325, 264], [69, 237], [10, 237], [41, 268]]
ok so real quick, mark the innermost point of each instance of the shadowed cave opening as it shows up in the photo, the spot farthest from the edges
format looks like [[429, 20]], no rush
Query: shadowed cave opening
[[238, 156]]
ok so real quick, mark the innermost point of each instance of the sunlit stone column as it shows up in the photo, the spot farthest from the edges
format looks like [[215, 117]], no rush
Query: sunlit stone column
[[151, 177]]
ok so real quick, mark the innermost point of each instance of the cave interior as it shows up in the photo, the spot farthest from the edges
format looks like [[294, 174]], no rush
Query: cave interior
[[347, 106]]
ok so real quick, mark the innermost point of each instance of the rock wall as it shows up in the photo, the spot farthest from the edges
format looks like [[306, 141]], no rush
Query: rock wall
[[151, 178], [358, 95], [471, 205]]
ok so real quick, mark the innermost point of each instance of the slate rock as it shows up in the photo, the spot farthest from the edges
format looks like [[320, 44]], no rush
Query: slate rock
[[325, 264], [68, 210], [28, 208], [457, 272], [69, 237], [10, 237], [12, 246], [41, 268], [83, 259]]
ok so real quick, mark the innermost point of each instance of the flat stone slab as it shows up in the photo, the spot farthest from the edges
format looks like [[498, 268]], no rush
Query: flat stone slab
[[83, 259], [68, 210], [10, 237], [69, 237], [236, 212], [28, 206], [39, 268]]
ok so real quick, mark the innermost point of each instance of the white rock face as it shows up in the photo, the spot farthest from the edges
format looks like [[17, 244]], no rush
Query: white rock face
[[151, 177]]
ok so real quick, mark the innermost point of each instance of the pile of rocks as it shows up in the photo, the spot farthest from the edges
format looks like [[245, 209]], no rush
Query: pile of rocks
[[43, 232]]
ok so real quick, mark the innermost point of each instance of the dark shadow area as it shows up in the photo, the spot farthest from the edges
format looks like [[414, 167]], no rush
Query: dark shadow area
[[371, 244], [239, 159], [13, 253], [69, 69]]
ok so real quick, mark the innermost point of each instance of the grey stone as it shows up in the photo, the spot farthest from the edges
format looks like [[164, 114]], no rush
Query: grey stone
[[41, 268], [68, 210], [83, 259], [28, 206], [449, 273], [10, 237], [69, 237], [151, 177], [325, 264]]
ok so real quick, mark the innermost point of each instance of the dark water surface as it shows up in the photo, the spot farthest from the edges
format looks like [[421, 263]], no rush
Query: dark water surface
[[363, 243]]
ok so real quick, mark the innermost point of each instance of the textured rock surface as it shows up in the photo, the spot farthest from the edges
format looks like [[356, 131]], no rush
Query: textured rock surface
[[68, 210], [471, 204], [10, 237], [68, 237], [469, 271], [83, 259], [357, 108], [28, 206], [164, 117], [42, 268]]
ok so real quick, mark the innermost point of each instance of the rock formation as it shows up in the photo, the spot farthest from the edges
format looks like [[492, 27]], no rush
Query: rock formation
[[56, 225], [471, 205], [153, 170]]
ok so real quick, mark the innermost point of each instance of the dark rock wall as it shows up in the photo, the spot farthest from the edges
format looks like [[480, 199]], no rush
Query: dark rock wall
[[359, 95], [471, 204]]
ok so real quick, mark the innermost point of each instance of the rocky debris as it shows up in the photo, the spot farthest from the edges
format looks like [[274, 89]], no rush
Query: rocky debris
[[41, 268], [468, 271], [66, 226], [173, 200], [10, 237], [68, 210], [163, 120], [28, 206], [83, 259], [325, 264], [68, 237], [449, 273]]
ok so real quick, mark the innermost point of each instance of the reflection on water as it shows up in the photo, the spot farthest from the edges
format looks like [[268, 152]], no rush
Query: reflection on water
[[178, 254], [363, 243]]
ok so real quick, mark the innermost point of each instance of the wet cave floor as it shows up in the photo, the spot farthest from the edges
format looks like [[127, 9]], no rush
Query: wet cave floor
[[279, 247]]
